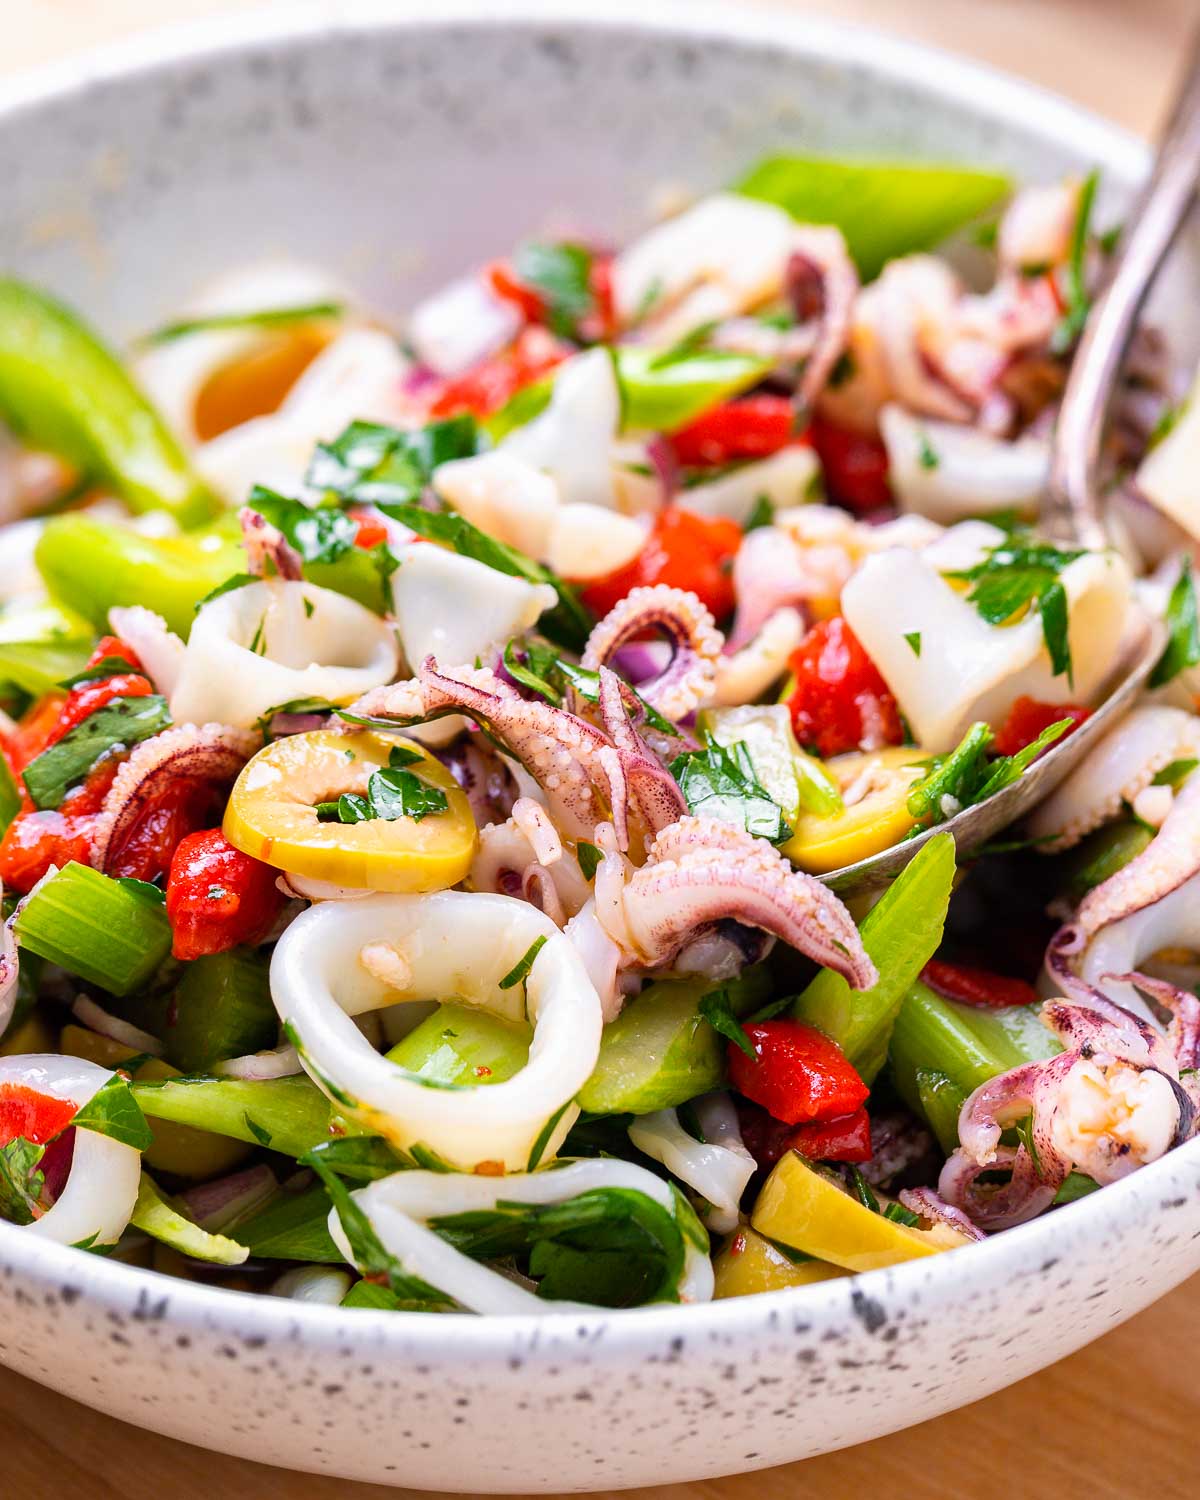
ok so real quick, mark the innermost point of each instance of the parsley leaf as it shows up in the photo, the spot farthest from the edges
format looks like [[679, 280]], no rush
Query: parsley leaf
[[392, 793], [372, 464], [234, 581], [561, 275], [589, 858], [966, 776], [914, 642], [612, 1247], [1016, 574], [120, 722], [520, 970], [1070, 325], [321, 533], [107, 666], [718, 1012], [539, 668], [1183, 630], [719, 782], [21, 1180], [113, 1111]]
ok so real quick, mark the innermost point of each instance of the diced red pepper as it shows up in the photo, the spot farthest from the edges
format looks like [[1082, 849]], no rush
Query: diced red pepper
[[847, 1138], [486, 387], [753, 427], [370, 532], [973, 986], [798, 1074], [855, 466], [1027, 718], [683, 550], [218, 897], [506, 283], [36, 1116], [840, 702]]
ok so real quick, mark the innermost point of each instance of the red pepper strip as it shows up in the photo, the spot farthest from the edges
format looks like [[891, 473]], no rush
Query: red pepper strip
[[506, 283], [35, 840], [847, 1138], [977, 986], [112, 645], [1027, 718], [798, 1073], [189, 803], [26, 1112], [218, 897], [754, 427], [855, 466], [33, 732], [684, 550], [85, 699], [486, 387], [840, 701]]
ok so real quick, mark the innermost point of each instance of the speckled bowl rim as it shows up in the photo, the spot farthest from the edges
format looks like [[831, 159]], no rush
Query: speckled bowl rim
[[131, 1291]]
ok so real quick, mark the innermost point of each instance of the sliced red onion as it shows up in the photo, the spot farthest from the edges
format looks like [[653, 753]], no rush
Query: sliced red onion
[[642, 660], [96, 1019], [283, 725], [661, 457], [214, 1205]]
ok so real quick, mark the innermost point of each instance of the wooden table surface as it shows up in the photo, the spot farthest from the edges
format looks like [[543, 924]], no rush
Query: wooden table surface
[[1117, 1420]]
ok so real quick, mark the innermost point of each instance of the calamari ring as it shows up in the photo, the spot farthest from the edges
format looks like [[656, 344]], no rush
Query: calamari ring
[[400, 1206], [453, 943]]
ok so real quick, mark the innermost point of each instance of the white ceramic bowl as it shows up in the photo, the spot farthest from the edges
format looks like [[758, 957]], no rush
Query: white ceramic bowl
[[397, 152]]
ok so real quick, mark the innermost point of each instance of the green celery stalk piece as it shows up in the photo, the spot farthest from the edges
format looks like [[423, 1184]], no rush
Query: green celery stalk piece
[[156, 1216], [293, 1226], [105, 932], [222, 1008], [10, 796], [941, 1101], [884, 209], [1102, 854], [660, 1051], [661, 394], [290, 1115], [92, 565], [459, 1044], [901, 933], [373, 1297], [63, 391], [965, 1044]]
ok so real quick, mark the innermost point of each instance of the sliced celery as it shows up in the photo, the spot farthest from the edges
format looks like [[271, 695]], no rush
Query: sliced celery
[[948, 1047], [1102, 854], [460, 1044], [105, 932], [290, 1115], [92, 565], [660, 1051], [901, 933], [222, 1008], [156, 1216], [62, 391], [40, 645]]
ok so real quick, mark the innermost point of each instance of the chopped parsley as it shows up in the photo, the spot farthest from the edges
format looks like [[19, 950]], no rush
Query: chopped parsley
[[561, 276], [913, 637], [719, 781], [1183, 630], [1070, 325], [393, 792], [520, 970], [716, 1009], [969, 775]]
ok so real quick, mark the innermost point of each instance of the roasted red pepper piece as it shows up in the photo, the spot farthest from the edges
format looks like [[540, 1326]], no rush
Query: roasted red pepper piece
[[189, 803], [35, 840], [370, 532], [486, 387], [683, 550], [840, 702], [26, 1112], [1026, 720], [110, 646], [847, 1138], [855, 466], [218, 897], [754, 427], [977, 986], [798, 1074]]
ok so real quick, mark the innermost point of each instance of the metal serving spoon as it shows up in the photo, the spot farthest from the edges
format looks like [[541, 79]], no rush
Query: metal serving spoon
[[1070, 513]]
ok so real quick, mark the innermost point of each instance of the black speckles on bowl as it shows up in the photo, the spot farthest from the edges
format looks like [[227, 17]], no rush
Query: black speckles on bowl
[[394, 153]]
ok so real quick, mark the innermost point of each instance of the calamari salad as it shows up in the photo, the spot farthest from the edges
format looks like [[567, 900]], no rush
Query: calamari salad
[[423, 748]]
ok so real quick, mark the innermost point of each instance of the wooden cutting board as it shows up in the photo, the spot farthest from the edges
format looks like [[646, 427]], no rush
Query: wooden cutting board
[[1115, 1422]]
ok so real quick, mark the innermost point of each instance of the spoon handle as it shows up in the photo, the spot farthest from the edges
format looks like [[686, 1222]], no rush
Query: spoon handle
[[1070, 512]]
